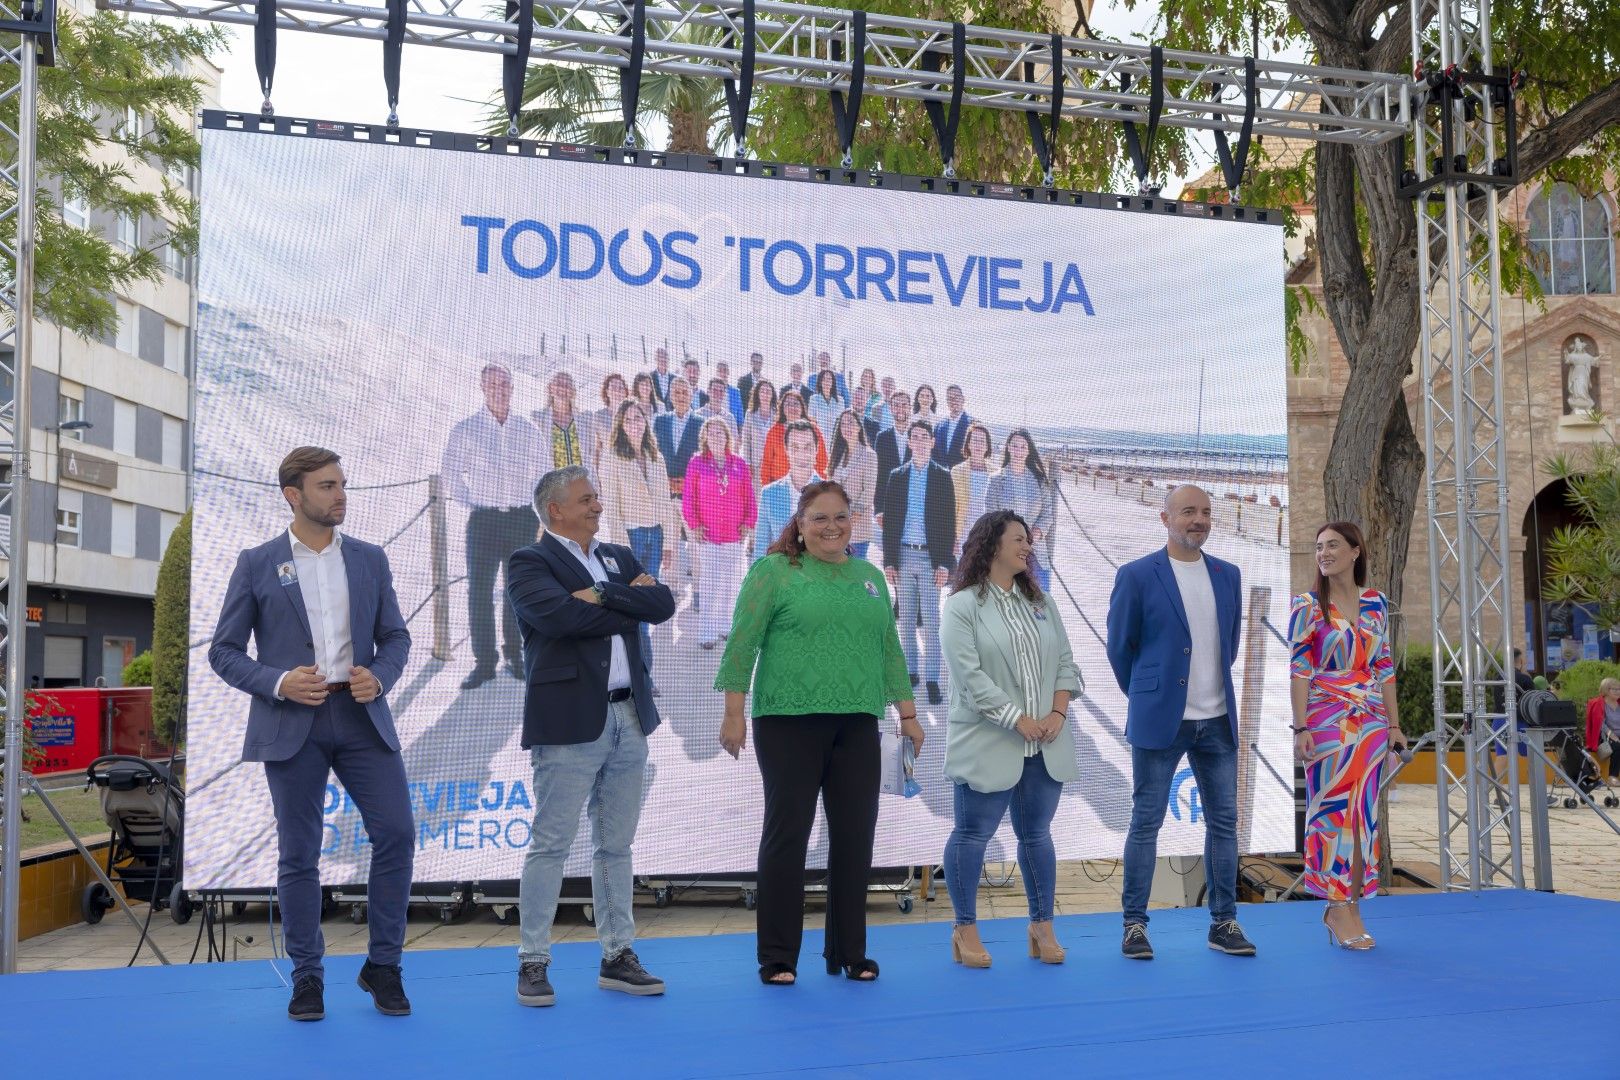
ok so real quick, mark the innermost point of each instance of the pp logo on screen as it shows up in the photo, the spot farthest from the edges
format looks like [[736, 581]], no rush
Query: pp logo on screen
[[1188, 800]]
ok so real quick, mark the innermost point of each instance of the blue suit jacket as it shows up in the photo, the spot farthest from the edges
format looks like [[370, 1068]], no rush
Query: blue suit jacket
[[567, 644], [1150, 645], [258, 604]]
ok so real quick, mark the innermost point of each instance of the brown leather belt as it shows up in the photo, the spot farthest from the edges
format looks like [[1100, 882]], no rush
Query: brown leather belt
[[334, 687]]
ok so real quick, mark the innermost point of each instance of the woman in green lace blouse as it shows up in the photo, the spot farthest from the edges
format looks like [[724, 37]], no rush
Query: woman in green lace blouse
[[814, 637]]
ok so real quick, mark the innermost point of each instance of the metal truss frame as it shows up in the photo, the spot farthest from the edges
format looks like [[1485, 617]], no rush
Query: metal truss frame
[[771, 42]]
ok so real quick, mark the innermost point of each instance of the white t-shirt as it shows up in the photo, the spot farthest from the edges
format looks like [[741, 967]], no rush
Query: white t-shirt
[[1206, 689]]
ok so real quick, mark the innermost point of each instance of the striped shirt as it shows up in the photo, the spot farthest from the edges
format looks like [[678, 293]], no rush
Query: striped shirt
[[1019, 615]]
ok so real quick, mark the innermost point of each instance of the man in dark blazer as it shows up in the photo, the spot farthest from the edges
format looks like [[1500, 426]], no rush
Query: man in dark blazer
[[745, 384], [679, 433], [329, 645], [950, 438], [1173, 626], [919, 548], [891, 447], [587, 712]]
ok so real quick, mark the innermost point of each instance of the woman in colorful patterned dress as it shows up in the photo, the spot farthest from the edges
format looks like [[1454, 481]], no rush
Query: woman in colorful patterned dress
[[1344, 723]]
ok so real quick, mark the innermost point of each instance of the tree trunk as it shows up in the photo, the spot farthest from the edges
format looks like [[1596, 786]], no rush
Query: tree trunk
[[688, 132]]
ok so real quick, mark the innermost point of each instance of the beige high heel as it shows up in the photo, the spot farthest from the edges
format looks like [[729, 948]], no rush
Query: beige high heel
[[967, 955], [1048, 954]]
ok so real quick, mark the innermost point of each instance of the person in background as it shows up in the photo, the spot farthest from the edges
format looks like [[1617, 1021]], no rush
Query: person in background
[[587, 714], [1174, 623], [1523, 684], [1603, 721], [757, 424], [774, 465], [919, 550], [719, 390], [679, 433], [718, 504], [854, 466], [925, 405], [745, 383], [826, 403], [645, 391], [972, 477], [636, 507], [951, 435], [692, 372], [733, 396], [1345, 721], [858, 398], [815, 642], [778, 498], [491, 462], [876, 411], [1012, 675], [661, 375], [1024, 487], [564, 440], [796, 381], [891, 446], [614, 392], [329, 644], [824, 363]]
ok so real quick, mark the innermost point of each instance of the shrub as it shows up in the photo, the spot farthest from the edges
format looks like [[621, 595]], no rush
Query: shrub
[[171, 630], [138, 672], [1579, 682]]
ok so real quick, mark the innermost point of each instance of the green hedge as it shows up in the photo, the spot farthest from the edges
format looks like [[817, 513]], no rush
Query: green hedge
[[1414, 689], [138, 672], [1579, 682], [171, 629]]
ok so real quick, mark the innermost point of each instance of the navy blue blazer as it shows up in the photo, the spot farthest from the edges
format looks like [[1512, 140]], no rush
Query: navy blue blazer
[[257, 603], [1150, 644], [567, 644]]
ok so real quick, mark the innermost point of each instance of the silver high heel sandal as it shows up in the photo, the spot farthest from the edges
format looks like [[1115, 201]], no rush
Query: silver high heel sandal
[[1360, 943]]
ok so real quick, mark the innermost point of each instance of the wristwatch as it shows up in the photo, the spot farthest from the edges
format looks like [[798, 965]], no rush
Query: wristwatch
[[601, 593]]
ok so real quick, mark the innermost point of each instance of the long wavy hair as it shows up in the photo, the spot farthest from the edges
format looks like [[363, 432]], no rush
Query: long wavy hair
[[1032, 462], [791, 540], [648, 450], [755, 393], [1352, 536], [979, 551], [842, 450]]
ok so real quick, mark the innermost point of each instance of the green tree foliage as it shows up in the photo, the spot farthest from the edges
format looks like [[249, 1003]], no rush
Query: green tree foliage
[[106, 65], [171, 628], [1583, 560], [138, 672], [1414, 688], [1579, 682]]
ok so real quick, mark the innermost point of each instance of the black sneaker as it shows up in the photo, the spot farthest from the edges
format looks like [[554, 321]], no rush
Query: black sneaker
[[1227, 937], [533, 986], [308, 1002], [1136, 944], [387, 990], [933, 693], [625, 973]]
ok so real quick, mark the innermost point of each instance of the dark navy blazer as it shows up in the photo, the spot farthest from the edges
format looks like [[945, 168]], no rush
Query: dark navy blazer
[[258, 603], [567, 642], [1150, 644]]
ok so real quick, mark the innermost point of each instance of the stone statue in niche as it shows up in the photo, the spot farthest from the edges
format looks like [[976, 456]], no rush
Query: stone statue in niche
[[1580, 389]]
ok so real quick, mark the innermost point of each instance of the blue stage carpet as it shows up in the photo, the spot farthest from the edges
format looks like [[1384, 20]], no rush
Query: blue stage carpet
[[1500, 984]]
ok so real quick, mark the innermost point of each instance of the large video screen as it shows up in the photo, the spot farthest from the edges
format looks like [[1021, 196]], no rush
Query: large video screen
[[387, 300]]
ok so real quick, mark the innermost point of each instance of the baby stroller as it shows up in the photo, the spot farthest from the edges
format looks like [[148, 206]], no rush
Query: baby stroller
[[1575, 763], [145, 809]]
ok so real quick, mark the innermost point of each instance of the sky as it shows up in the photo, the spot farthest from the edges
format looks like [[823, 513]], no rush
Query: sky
[[332, 78]]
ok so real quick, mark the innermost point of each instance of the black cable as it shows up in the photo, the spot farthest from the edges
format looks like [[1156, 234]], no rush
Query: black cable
[[157, 869]]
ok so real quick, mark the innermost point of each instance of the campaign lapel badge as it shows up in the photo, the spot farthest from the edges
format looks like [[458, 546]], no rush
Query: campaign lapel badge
[[611, 563], [1040, 612], [287, 574], [871, 590]]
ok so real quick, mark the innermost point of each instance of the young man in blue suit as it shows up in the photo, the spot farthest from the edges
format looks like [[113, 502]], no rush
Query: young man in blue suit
[[1173, 626], [587, 712], [330, 643]]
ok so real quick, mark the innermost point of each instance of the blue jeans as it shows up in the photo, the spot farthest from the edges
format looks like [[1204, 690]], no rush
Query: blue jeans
[[606, 778], [1208, 747], [647, 545], [919, 597], [1034, 802]]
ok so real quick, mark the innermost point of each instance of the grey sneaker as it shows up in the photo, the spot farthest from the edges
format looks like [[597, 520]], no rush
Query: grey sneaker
[[533, 987], [1227, 937], [1136, 944], [625, 974]]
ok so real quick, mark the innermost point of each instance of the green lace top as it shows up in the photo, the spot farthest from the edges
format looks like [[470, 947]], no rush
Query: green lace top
[[823, 635]]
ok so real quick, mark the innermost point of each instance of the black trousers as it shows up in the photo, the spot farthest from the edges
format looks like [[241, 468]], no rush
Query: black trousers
[[492, 536], [835, 756]]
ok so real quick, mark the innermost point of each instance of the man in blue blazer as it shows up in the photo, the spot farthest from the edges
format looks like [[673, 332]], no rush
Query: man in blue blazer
[[330, 643], [587, 712], [1173, 626]]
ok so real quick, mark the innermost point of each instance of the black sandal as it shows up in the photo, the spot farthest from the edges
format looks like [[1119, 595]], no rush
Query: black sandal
[[863, 970], [768, 974]]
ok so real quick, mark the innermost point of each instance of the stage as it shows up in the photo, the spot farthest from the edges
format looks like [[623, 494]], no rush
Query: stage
[[1499, 984]]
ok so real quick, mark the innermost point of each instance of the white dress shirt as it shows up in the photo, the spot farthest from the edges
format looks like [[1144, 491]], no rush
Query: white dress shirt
[[1206, 689], [619, 666], [493, 466], [324, 583]]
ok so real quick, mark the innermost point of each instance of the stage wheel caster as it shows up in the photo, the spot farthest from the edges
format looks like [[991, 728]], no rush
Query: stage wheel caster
[[905, 902], [95, 902], [750, 899], [447, 914], [179, 905], [239, 908], [357, 914], [661, 896], [589, 912], [1570, 803]]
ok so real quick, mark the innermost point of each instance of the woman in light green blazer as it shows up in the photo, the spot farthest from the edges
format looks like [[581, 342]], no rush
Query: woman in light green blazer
[[1009, 745]]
